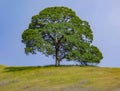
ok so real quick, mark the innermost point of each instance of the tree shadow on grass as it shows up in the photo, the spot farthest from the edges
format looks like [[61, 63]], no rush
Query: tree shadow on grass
[[22, 68], [13, 69]]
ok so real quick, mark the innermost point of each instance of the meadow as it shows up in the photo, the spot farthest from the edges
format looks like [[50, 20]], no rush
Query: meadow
[[63, 78]]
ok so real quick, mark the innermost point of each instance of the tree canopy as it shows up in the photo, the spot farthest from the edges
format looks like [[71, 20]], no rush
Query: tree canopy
[[59, 32]]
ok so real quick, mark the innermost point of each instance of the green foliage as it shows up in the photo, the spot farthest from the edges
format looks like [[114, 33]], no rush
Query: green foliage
[[57, 31]]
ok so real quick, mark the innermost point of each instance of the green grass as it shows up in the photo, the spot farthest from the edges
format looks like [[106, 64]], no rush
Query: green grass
[[64, 78]]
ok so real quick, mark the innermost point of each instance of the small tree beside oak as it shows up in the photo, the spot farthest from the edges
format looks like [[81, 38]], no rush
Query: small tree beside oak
[[58, 32]]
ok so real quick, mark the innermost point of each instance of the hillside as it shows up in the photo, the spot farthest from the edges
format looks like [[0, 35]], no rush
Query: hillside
[[65, 78]]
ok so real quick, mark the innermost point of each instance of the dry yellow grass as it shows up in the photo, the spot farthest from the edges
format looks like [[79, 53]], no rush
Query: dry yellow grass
[[64, 78]]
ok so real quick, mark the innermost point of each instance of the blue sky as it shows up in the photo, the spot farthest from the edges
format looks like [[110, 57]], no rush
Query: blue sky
[[102, 15]]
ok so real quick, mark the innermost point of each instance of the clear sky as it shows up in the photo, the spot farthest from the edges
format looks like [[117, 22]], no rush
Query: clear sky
[[102, 15]]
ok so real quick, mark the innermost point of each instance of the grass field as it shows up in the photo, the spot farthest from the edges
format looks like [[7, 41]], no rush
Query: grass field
[[64, 78]]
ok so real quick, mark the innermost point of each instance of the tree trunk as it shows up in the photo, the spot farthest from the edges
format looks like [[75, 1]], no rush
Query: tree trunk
[[57, 52], [57, 62]]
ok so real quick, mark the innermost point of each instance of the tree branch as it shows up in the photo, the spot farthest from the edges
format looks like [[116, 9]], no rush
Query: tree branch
[[60, 39]]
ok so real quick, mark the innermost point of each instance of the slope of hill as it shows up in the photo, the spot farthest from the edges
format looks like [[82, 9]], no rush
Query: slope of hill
[[64, 78]]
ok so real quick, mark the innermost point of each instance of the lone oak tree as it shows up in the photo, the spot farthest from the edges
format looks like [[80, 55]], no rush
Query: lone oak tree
[[57, 31]]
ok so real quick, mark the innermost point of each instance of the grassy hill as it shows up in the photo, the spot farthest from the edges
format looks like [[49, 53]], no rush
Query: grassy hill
[[65, 78]]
